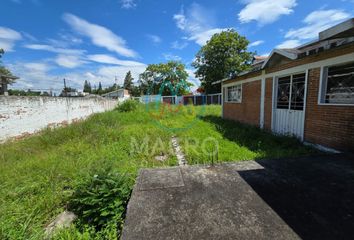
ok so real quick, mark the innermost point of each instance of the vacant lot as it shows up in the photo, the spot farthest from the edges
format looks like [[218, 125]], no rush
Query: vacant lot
[[38, 173]]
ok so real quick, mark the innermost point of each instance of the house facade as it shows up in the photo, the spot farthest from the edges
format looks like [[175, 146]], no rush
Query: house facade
[[306, 92]]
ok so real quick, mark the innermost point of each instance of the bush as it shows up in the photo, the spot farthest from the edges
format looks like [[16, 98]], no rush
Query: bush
[[101, 201], [128, 106]]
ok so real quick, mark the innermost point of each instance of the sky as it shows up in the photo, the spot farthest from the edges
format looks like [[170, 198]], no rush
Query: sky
[[99, 41]]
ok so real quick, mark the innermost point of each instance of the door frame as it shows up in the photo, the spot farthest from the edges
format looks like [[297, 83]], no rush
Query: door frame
[[275, 97]]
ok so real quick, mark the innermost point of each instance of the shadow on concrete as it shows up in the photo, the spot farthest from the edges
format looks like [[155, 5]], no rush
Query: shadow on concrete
[[314, 196]]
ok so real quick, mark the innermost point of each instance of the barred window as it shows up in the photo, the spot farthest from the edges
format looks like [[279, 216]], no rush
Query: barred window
[[338, 84], [234, 93]]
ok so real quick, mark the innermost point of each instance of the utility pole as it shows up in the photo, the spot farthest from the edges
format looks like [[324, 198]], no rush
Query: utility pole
[[116, 82], [65, 94]]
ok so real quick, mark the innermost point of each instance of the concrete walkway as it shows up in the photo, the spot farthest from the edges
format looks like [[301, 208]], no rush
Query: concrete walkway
[[309, 198]]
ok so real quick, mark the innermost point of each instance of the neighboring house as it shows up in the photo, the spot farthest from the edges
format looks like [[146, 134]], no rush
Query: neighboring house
[[307, 92], [120, 94], [4, 81]]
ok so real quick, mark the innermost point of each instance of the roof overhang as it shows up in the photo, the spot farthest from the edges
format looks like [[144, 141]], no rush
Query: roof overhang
[[280, 52], [342, 30]]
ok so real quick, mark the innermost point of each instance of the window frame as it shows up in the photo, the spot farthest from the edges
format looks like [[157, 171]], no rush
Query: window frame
[[227, 93], [275, 88], [323, 86]]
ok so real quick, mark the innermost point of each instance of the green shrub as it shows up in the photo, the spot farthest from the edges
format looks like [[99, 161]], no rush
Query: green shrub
[[101, 201], [128, 106]]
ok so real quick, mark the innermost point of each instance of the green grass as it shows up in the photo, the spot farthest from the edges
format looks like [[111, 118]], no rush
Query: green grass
[[38, 173]]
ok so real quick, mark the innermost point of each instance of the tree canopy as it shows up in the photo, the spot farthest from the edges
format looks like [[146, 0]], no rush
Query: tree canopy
[[128, 81], [164, 78], [4, 70], [87, 87], [224, 55]]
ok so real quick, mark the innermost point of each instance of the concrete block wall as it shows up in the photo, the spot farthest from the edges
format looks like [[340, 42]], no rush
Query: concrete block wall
[[26, 115]]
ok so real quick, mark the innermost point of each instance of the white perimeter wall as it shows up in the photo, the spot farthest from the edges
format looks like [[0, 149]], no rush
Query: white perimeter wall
[[25, 115]]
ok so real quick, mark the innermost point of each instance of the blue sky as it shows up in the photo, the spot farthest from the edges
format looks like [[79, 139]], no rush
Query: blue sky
[[47, 40]]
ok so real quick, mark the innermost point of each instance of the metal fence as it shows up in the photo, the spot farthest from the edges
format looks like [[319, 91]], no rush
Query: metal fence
[[185, 100]]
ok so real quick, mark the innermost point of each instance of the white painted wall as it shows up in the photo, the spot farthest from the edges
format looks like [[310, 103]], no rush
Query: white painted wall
[[26, 115]]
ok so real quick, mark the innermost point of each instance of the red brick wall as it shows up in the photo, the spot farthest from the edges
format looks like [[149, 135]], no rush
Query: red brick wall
[[248, 110], [268, 104], [331, 126]]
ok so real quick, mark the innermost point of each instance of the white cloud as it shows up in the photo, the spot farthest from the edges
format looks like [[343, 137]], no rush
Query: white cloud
[[37, 67], [179, 45], [289, 44], [180, 20], [154, 38], [265, 11], [128, 4], [171, 57], [68, 61], [111, 72], [100, 36], [38, 76], [8, 37], [256, 43], [107, 59], [65, 41], [192, 78], [202, 37], [316, 22], [50, 48], [198, 24], [34, 75]]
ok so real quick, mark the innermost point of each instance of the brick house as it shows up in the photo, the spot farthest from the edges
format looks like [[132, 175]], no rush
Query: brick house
[[307, 92]]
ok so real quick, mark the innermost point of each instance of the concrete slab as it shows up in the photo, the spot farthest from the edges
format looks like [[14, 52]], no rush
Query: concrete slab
[[160, 178], [212, 203]]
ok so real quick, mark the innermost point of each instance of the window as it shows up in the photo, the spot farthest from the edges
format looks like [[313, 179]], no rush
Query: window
[[234, 93], [298, 92], [283, 92], [338, 84], [291, 92]]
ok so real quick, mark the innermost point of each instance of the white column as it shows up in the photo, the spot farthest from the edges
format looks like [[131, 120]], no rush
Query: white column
[[261, 114]]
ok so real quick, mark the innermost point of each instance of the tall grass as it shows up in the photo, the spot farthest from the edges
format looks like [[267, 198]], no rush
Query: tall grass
[[38, 174]]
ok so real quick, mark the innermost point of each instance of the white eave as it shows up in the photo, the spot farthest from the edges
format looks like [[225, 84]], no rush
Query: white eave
[[281, 52]]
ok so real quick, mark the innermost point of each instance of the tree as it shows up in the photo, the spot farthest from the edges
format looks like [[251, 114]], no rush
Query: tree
[[99, 90], [3, 70], [223, 56], [128, 81], [6, 76], [164, 78], [135, 92], [87, 87]]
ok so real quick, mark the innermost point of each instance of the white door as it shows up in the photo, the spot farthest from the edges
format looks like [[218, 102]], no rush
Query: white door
[[289, 105]]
